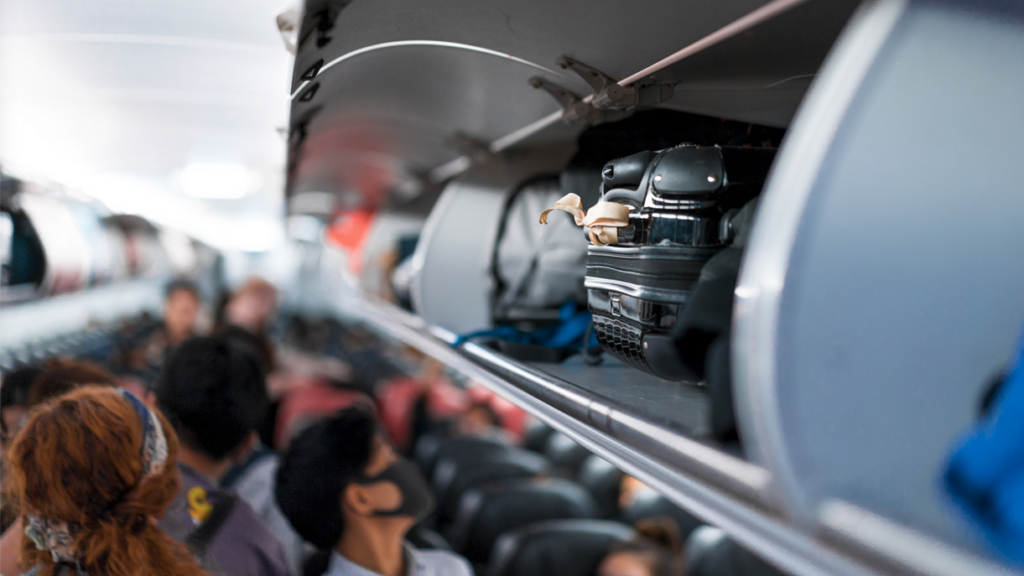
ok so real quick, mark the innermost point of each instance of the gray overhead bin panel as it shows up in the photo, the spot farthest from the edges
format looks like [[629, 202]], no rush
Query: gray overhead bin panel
[[884, 282], [392, 114], [383, 89]]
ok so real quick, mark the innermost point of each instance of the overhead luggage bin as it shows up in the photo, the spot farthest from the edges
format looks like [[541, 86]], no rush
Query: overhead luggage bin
[[385, 93], [881, 284], [70, 268]]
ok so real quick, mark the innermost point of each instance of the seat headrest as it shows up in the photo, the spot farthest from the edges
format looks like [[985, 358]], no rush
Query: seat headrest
[[453, 476], [537, 437], [555, 548], [425, 451], [565, 453], [458, 447], [424, 538], [710, 552], [484, 513], [604, 482], [649, 504]]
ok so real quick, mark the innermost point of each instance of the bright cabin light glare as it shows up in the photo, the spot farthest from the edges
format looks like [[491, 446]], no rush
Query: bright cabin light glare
[[217, 181]]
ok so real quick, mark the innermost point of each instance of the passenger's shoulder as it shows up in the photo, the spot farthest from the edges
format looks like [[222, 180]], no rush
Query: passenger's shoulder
[[442, 562], [247, 523]]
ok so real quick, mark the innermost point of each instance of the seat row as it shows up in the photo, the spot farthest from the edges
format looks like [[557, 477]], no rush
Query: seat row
[[551, 508]]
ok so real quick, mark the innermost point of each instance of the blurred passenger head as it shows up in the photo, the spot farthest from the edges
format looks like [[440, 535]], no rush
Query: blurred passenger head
[[214, 394], [64, 375], [14, 397], [181, 310], [629, 489], [252, 306], [656, 550], [255, 344], [478, 420], [92, 469], [341, 473]]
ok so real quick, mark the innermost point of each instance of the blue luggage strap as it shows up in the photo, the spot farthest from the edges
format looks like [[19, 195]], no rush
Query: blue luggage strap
[[568, 333]]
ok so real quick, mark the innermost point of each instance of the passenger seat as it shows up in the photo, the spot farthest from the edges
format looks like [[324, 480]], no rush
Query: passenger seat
[[537, 437], [458, 473], [555, 548], [565, 454], [486, 512], [649, 504], [429, 451], [604, 481], [709, 552]]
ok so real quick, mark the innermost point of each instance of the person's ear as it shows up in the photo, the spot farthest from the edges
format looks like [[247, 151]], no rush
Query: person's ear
[[356, 499]]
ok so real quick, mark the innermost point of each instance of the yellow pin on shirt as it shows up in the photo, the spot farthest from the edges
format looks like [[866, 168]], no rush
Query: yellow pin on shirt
[[198, 507]]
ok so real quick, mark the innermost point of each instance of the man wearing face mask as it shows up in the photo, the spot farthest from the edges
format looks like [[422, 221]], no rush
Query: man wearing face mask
[[343, 488]]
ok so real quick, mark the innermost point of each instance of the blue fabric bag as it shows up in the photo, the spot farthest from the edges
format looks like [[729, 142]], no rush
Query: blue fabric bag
[[985, 474]]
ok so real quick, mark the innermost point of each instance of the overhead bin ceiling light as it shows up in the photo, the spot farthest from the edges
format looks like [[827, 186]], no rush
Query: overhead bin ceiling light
[[216, 181]]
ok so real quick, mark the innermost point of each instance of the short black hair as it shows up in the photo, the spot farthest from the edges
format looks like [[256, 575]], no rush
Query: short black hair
[[17, 383], [16, 387], [254, 344], [213, 393], [179, 285], [62, 375], [319, 464]]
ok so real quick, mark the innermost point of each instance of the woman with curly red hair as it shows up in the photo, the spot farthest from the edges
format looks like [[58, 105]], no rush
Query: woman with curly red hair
[[93, 470]]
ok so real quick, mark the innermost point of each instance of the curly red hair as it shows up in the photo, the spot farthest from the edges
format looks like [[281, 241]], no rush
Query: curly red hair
[[78, 460]]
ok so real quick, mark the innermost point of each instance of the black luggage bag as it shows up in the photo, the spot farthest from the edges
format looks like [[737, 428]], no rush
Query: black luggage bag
[[682, 202]]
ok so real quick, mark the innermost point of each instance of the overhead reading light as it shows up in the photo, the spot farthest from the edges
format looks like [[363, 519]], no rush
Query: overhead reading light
[[216, 181]]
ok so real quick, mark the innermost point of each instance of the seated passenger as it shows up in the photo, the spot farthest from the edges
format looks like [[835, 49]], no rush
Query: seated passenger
[[214, 395], [629, 489], [181, 314], [479, 420], [656, 550], [413, 405], [345, 489], [93, 470], [252, 306]]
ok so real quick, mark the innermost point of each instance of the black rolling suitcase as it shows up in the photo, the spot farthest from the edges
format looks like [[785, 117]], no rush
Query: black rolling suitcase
[[682, 202]]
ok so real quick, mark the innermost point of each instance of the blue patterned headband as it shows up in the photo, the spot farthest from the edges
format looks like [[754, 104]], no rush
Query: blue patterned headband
[[54, 535], [154, 442]]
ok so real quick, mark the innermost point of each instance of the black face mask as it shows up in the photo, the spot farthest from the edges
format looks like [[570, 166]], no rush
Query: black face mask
[[417, 501]]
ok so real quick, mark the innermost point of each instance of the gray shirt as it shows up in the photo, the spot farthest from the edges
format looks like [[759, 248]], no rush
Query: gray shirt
[[256, 487], [419, 562], [243, 546]]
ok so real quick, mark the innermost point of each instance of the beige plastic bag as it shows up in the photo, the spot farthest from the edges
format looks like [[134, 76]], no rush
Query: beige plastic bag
[[602, 221]]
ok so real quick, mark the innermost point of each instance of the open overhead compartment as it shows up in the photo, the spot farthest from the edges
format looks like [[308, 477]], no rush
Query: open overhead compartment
[[849, 334]]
